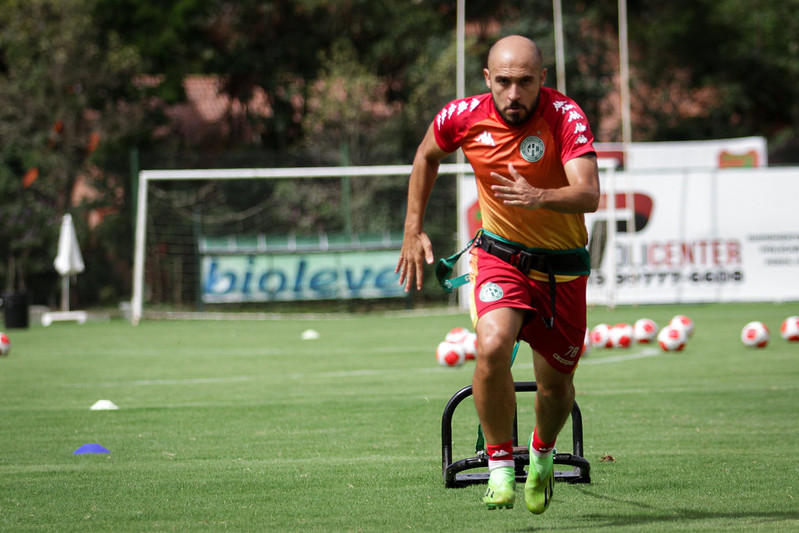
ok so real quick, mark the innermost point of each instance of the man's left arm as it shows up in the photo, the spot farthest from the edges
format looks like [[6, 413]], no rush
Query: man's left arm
[[581, 195]]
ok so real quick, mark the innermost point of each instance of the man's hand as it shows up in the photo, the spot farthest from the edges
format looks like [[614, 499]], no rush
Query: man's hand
[[581, 195], [416, 251], [416, 247], [517, 191]]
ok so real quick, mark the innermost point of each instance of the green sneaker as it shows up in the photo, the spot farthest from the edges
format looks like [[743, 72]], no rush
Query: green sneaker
[[539, 487], [501, 491]]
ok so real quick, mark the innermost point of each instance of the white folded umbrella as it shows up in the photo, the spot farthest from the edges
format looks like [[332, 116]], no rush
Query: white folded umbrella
[[68, 260]]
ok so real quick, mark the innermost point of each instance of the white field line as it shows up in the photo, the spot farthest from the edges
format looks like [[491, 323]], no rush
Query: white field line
[[593, 360], [647, 352], [151, 382]]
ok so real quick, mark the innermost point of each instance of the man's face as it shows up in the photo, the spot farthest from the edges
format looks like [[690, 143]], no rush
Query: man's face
[[515, 90]]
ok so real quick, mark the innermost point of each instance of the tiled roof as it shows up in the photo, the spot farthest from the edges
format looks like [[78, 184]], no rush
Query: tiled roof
[[207, 111]]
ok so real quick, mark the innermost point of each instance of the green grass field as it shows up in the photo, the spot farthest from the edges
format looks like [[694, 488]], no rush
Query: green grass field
[[243, 426]]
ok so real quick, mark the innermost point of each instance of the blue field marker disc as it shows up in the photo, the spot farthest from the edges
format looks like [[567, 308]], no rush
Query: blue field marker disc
[[90, 448]]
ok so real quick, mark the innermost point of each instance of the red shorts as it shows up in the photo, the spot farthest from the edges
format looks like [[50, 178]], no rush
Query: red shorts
[[497, 284]]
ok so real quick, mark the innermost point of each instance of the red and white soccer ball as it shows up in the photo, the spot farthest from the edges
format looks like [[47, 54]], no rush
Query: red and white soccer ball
[[672, 339], [466, 339], [450, 354], [755, 334], [621, 335], [5, 344], [600, 336], [470, 346], [645, 330], [457, 335], [789, 329], [684, 322]]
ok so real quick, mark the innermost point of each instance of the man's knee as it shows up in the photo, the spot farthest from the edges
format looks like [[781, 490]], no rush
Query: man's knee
[[493, 350], [552, 384], [556, 390], [496, 335]]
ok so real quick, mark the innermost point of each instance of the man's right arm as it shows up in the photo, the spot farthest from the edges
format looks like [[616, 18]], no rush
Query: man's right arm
[[416, 247]]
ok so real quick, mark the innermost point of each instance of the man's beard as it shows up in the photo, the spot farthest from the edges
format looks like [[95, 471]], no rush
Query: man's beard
[[517, 119]]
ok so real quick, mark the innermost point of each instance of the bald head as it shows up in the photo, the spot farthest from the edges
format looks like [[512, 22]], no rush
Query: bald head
[[515, 76], [515, 49]]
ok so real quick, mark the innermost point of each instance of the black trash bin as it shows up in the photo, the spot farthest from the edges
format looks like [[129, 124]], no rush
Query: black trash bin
[[15, 307]]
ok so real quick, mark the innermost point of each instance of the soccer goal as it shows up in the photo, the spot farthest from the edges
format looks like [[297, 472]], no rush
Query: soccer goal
[[242, 236]]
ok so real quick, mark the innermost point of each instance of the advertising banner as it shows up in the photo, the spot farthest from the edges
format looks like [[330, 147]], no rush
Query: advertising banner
[[702, 236], [300, 276]]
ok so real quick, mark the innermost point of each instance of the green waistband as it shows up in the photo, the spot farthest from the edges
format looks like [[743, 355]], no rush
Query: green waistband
[[582, 252], [444, 267]]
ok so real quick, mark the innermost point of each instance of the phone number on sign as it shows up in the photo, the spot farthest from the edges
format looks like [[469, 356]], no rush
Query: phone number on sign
[[661, 278]]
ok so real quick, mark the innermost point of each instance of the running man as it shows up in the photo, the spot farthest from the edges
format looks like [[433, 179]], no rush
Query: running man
[[532, 152]]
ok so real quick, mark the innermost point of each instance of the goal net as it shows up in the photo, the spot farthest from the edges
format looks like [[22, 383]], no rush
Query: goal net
[[250, 238]]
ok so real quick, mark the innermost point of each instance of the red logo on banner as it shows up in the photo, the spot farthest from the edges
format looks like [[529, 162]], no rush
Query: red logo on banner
[[474, 218]]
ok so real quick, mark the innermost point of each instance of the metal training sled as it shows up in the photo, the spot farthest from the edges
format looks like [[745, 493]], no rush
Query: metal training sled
[[453, 472]]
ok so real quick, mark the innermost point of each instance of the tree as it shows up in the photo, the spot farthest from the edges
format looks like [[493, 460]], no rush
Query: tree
[[65, 94], [277, 46], [714, 68]]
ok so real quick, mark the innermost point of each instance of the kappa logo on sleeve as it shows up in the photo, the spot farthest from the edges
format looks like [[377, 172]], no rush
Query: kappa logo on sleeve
[[572, 114], [456, 109]]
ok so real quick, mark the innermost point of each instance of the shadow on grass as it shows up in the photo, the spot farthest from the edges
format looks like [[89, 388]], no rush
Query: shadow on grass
[[649, 515]]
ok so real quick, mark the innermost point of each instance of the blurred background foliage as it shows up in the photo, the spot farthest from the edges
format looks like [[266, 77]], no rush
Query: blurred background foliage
[[92, 92]]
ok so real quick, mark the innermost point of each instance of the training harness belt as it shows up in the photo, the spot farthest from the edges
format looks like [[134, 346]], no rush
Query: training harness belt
[[571, 262]]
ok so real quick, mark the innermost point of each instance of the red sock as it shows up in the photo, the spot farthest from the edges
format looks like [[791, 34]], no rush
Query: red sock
[[500, 454], [540, 447]]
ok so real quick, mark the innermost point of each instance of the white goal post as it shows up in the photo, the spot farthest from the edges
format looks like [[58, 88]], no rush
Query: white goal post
[[147, 176]]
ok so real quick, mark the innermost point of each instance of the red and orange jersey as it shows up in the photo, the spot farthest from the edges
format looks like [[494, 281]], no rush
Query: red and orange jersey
[[557, 132]]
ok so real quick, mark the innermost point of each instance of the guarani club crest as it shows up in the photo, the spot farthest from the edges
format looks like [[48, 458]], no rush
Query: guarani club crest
[[490, 292], [532, 150]]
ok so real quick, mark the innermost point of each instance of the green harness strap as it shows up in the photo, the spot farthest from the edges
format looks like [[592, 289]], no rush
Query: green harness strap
[[444, 268]]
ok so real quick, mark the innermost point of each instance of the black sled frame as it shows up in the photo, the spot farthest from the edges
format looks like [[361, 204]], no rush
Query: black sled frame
[[453, 471]]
